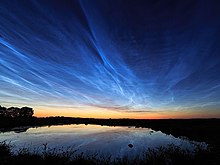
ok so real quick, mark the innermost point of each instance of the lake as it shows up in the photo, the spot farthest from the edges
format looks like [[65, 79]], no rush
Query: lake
[[91, 139]]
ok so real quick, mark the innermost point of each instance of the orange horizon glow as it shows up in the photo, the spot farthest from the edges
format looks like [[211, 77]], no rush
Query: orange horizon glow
[[106, 114]]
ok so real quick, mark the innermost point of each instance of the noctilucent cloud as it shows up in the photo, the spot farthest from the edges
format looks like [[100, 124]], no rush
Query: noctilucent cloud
[[124, 56]]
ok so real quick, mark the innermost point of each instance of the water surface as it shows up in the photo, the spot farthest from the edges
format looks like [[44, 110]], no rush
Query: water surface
[[91, 139]]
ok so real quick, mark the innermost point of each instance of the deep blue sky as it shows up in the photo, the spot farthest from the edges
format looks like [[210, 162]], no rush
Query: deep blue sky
[[126, 56]]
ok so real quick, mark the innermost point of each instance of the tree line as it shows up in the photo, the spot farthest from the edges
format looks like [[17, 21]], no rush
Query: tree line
[[15, 112]]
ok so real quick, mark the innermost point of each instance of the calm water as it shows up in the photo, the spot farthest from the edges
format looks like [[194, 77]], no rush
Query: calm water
[[94, 139]]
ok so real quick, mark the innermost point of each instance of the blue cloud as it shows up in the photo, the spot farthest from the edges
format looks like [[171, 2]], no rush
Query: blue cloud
[[145, 56]]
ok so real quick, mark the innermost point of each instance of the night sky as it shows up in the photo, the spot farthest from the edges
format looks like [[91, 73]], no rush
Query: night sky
[[111, 58]]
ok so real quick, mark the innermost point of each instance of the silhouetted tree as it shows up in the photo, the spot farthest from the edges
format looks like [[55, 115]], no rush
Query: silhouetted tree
[[2, 111], [15, 112], [26, 112], [12, 112]]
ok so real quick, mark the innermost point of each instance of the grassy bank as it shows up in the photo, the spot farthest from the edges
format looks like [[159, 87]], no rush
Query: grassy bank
[[172, 155]]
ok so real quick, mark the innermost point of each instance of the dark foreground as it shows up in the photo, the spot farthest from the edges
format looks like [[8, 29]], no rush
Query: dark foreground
[[169, 155], [203, 130]]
